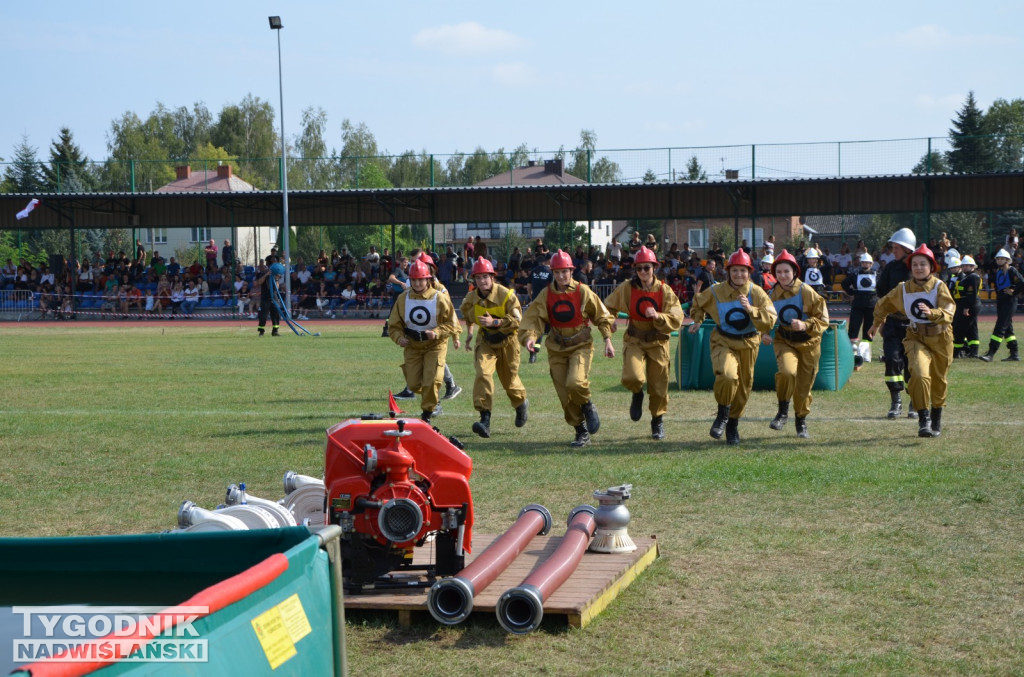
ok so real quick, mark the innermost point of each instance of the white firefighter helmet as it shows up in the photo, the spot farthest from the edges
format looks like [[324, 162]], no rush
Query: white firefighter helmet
[[905, 238], [1003, 254], [812, 253], [767, 259], [952, 254], [865, 258], [967, 260]]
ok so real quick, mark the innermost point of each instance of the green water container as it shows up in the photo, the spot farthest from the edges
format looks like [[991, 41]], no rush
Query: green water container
[[693, 360]]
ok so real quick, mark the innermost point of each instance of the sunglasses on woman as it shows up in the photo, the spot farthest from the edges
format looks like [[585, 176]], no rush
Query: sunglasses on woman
[[645, 268]]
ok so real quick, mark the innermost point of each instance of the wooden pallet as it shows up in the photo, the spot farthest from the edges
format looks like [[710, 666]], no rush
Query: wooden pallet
[[592, 587]]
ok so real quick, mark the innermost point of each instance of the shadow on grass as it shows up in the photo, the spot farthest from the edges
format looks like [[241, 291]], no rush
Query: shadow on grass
[[481, 630]]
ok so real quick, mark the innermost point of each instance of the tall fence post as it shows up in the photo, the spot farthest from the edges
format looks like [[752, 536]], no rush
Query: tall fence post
[[753, 161]]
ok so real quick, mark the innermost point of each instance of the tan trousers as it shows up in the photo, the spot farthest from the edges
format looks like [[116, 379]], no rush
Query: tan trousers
[[570, 372], [798, 366], [733, 363], [647, 362], [929, 358], [504, 359], [424, 369]]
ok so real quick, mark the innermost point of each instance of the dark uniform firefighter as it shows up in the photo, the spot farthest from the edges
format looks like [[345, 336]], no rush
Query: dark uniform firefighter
[[926, 301], [968, 307], [803, 318], [421, 321], [569, 307], [268, 306], [742, 312], [903, 242], [654, 313], [497, 311], [1008, 284], [860, 287]]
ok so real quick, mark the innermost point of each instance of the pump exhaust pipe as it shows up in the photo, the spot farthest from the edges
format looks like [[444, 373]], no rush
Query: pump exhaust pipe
[[521, 609], [451, 599]]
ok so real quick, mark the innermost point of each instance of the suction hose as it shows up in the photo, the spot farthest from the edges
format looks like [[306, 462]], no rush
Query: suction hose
[[451, 599], [521, 609]]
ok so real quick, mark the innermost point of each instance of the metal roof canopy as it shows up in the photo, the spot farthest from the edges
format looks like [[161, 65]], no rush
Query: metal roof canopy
[[483, 204]]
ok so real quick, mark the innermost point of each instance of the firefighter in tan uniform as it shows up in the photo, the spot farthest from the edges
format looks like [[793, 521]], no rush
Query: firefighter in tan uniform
[[421, 321], [497, 311], [929, 306], [569, 307], [803, 318], [654, 313], [742, 312]]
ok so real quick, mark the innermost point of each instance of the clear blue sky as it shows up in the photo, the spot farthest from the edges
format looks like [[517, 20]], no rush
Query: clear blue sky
[[451, 76]]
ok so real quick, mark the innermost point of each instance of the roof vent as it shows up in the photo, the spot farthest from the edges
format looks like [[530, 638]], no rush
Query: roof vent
[[553, 167]]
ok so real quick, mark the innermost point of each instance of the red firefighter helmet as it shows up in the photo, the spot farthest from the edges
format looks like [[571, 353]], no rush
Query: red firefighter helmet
[[482, 267], [925, 252], [645, 255], [561, 260], [786, 257], [419, 270], [740, 258], [428, 259]]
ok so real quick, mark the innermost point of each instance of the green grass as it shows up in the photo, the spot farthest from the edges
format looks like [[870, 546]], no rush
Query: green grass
[[864, 550]]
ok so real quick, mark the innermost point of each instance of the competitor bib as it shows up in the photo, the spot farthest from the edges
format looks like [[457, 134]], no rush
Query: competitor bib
[[640, 301], [421, 314], [813, 277], [911, 299], [732, 318], [564, 309], [486, 306], [790, 309], [866, 282]]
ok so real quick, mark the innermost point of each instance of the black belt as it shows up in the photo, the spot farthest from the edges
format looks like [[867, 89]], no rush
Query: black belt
[[736, 336], [794, 336], [495, 337], [417, 335]]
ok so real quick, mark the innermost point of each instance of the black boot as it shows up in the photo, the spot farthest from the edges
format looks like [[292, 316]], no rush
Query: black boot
[[384, 333], [936, 421], [732, 431], [1014, 356], [262, 331], [896, 408], [718, 426], [274, 332], [801, 427], [427, 413], [521, 412], [924, 424], [657, 428], [582, 436], [781, 417], [533, 356], [993, 346], [590, 414], [406, 394], [636, 407], [483, 426]]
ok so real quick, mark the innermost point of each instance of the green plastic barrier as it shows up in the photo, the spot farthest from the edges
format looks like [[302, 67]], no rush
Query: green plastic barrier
[[694, 372], [167, 569]]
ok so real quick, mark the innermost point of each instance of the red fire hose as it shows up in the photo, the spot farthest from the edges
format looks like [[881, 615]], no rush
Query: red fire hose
[[521, 609], [451, 599]]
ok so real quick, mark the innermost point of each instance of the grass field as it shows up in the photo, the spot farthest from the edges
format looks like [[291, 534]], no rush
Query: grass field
[[864, 550]]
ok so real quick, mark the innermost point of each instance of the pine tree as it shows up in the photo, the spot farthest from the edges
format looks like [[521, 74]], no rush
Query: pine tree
[[694, 170], [24, 174], [971, 150], [68, 171]]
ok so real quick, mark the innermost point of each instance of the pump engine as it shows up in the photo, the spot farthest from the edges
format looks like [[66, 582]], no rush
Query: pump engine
[[394, 485]]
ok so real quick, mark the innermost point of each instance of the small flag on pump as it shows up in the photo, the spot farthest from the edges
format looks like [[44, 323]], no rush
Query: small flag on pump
[[23, 214], [393, 407]]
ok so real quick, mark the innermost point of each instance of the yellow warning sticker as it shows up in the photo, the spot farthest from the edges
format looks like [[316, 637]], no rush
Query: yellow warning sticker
[[294, 617], [274, 637]]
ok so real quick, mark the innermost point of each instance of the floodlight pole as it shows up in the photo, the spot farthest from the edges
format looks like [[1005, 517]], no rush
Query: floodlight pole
[[276, 25]]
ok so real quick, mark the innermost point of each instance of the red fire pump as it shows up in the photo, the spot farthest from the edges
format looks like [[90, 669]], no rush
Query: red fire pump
[[392, 485]]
